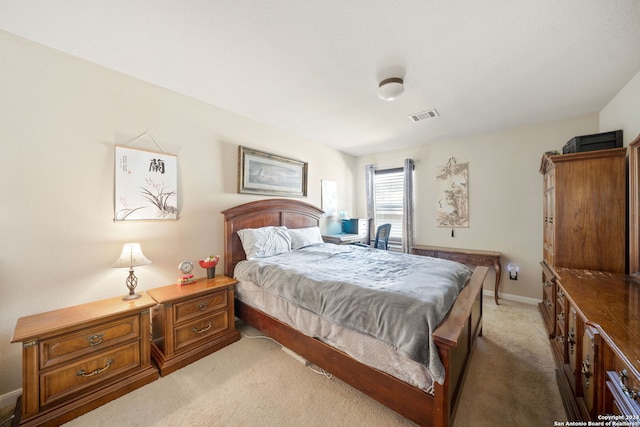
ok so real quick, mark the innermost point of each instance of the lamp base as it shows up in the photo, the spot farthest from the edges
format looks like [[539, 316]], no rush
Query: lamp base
[[131, 296], [132, 282]]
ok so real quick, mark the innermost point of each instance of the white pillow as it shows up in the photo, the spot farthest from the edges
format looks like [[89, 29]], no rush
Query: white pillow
[[265, 241], [301, 237]]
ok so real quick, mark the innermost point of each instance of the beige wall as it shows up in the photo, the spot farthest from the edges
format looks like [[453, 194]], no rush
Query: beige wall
[[505, 193], [623, 111], [59, 120]]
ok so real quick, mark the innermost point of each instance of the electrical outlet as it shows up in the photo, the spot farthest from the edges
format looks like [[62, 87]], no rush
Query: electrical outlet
[[513, 271]]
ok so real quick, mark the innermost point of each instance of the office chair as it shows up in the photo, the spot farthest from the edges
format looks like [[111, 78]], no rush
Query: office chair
[[382, 238]]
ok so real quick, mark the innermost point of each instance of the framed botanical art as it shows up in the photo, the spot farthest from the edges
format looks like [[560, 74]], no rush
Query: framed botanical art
[[453, 202], [264, 173], [146, 185]]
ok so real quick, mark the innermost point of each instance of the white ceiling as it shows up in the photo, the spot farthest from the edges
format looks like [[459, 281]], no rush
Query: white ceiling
[[312, 67]]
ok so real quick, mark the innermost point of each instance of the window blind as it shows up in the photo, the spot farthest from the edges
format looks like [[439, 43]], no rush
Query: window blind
[[388, 184]]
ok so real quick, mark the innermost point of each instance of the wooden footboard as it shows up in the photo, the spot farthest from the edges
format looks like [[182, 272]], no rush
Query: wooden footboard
[[454, 337]]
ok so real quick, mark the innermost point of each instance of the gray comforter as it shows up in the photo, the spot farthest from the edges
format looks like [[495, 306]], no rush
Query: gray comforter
[[397, 298]]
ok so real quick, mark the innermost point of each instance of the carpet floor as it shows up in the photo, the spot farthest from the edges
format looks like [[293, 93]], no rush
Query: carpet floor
[[254, 383]]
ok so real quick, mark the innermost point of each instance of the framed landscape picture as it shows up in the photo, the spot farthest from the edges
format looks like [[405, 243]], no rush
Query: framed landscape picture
[[264, 173]]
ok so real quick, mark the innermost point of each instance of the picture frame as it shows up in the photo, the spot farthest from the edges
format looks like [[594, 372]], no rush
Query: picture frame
[[264, 173], [146, 185], [452, 205]]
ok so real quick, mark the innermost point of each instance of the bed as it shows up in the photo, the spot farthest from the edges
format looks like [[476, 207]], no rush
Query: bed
[[454, 337]]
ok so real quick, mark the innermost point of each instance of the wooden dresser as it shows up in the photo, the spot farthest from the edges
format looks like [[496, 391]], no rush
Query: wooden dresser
[[597, 344], [590, 306], [78, 358], [192, 321]]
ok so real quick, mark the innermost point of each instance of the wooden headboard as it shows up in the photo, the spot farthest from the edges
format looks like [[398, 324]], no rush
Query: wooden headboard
[[288, 212]]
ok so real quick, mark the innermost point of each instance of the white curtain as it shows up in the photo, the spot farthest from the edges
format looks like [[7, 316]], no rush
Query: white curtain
[[369, 171], [407, 217]]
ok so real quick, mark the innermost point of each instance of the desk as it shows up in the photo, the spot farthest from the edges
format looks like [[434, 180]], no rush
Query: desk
[[344, 238], [464, 256]]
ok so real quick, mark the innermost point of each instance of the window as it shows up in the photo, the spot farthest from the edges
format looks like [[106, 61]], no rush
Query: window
[[388, 185]]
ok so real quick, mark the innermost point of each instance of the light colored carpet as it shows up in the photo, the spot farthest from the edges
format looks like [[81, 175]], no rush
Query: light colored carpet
[[254, 383]]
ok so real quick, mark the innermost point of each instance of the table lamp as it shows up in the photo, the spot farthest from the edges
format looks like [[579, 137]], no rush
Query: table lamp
[[130, 257]]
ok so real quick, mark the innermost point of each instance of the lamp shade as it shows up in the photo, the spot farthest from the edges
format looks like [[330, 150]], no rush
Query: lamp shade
[[391, 88], [131, 256]]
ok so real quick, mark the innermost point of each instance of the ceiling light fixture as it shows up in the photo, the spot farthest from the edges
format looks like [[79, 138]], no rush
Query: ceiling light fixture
[[391, 88]]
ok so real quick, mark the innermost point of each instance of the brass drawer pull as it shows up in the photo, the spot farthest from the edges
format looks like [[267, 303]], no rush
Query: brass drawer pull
[[630, 393], [200, 331], [571, 339], [83, 373], [95, 340], [203, 306], [585, 371]]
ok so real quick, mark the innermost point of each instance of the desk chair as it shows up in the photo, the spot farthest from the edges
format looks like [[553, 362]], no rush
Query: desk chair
[[382, 238]]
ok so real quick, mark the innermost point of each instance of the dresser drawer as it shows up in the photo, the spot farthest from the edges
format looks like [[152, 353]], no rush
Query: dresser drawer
[[623, 387], [189, 310], [201, 329], [73, 346], [67, 380]]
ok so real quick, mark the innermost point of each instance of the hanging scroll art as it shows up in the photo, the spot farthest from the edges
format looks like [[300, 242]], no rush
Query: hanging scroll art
[[145, 185], [453, 188]]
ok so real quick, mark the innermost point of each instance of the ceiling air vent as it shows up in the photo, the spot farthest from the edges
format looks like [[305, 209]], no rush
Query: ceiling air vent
[[429, 114]]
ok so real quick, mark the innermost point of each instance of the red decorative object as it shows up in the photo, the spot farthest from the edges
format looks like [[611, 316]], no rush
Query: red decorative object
[[210, 261]]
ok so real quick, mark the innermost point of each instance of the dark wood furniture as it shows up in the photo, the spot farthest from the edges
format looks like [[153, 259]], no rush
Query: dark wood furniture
[[465, 256], [590, 307], [78, 358], [455, 336], [192, 321], [597, 343], [584, 217], [584, 209]]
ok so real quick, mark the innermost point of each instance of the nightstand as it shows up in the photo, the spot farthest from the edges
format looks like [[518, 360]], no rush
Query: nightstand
[[191, 321], [78, 358]]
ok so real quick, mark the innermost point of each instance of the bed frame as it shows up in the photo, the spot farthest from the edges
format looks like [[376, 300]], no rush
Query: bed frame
[[455, 337]]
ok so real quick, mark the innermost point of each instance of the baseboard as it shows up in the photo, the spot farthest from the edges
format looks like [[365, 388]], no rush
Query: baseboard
[[9, 399], [511, 297]]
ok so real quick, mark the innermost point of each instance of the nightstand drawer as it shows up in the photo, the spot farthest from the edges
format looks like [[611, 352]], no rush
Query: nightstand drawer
[[201, 329], [72, 379], [196, 307], [72, 346]]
